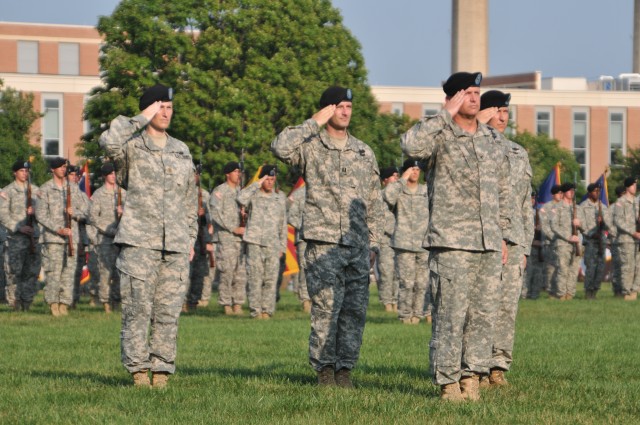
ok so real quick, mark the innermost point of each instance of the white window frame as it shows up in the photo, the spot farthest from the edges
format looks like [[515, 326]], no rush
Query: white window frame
[[397, 108], [587, 141], [624, 132], [60, 98], [27, 65], [548, 110]]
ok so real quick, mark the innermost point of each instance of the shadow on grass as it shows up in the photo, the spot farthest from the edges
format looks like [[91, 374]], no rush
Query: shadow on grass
[[111, 381]]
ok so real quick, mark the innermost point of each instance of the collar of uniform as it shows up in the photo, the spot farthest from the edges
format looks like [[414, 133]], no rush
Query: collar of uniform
[[171, 146], [326, 140]]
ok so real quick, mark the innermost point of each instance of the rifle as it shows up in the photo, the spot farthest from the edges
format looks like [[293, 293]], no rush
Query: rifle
[[67, 216], [243, 216], [30, 216], [202, 223], [574, 229], [538, 236], [118, 202]]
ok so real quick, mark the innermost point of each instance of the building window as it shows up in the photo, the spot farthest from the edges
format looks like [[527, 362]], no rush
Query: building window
[[397, 108], [69, 59], [52, 125], [28, 57], [429, 109], [544, 122], [617, 149], [580, 141]]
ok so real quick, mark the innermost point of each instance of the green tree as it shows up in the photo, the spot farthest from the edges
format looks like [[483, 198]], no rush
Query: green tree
[[16, 119], [242, 71], [627, 166], [544, 154]]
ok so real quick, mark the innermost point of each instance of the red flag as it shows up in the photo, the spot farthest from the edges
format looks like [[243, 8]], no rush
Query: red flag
[[85, 181], [85, 277]]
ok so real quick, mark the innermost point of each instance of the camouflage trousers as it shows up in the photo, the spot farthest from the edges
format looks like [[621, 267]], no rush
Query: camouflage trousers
[[568, 269], [551, 268], [60, 270], [109, 280], [338, 282], [616, 270], [301, 284], [534, 277], [200, 277], [263, 268], [465, 289], [629, 267], [504, 324], [594, 261], [388, 284], [153, 285], [21, 267], [230, 262], [413, 273]]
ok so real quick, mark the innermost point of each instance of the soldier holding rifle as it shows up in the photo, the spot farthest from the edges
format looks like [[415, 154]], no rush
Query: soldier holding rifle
[[595, 240]]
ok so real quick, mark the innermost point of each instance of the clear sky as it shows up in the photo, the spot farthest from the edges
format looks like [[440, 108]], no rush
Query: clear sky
[[408, 42]]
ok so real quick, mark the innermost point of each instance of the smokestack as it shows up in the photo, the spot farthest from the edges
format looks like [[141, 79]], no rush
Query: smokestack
[[470, 36], [636, 37]]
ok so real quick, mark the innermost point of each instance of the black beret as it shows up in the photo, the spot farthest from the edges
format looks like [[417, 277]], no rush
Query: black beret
[[565, 187], [620, 190], [267, 170], [107, 168], [592, 187], [334, 95], [629, 181], [230, 167], [57, 162], [72, 169], [461, 81], [556, 189], [154, 94], [410, 163], [385, 173], [494, 99], [19, 165]]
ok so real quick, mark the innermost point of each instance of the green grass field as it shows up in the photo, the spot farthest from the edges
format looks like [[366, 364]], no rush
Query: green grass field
[[576, 362]]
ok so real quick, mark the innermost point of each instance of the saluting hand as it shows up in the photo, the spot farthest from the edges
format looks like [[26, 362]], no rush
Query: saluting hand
[[324, 115], [453, 104], [485, 115], [152, 110]]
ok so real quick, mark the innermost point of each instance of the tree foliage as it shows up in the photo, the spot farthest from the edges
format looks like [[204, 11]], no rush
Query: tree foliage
[[242, 71], [16, 118], [544, 154]]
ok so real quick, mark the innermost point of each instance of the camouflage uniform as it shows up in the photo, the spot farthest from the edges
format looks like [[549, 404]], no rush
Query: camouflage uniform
[[200, 274], [59, 268], [156, 231], [595, 244], [294, 218], [3, 281], [230, 261], [266, 239], [22, 258], [534, 273], [103, 216], [469, 189], [412, 219], [522, 230], [342, 218], [616, 267], [547, 214], [624, 219], [83, 249], [568, 263], [388, 283]]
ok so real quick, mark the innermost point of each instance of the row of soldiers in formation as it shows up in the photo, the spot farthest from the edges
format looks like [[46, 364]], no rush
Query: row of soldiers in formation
[[569, 235]]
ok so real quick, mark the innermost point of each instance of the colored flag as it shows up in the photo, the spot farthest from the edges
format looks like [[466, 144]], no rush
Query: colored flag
[[85, 276], [291, 260], [544, 192], [255, 177], [604, 190], [85, 180]]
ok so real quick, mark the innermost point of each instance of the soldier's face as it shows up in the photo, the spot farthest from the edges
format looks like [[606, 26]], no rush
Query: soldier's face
[[569, 194], [394, 177], [162, 118], [21, 175], [594, 194], [342, 116], [632, 189], [471, 103], [60, 172], [558, 196], [500, 120], [269, 183], [415, 174], [110, 178]]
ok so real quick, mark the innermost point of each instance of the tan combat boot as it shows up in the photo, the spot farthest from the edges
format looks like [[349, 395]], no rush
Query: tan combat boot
[[343, 378], [306, 306], [326, 377], [395, 308], [160, 379], [107, 308], [388, 308], [415, 320], [429, 319], [451, 392], [203, 303], [634, 296], [55, 309], [141, 379], [470, 387], [228, 311], [266, 316], [64, 309], [237, 310], [496, 377]]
